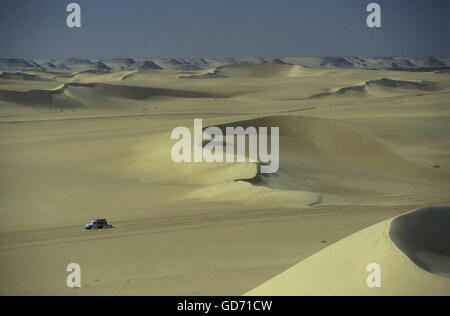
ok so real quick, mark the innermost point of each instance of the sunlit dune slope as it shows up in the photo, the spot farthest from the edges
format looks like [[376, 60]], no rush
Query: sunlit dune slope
[[397, 246]]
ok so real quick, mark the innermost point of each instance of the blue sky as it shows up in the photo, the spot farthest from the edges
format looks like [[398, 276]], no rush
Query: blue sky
[[223, 28]]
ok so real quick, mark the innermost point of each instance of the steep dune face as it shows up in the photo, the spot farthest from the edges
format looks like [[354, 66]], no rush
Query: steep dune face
[[402, 84], [322, 134], [333, 138], [215, 73], [249, 70], [333, 158], [424, 236], [321, 161], [28, 97], [211, 182], [58, 98], [313, 134], [141, 93], [150, 160], [343, 268]]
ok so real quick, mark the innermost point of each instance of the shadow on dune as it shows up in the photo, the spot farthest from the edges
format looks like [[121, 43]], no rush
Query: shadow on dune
[[322, 136], [424, 236], [333, 157], [62, 97], [383, 85], [20, 76], [41, 99], [254, 71], [142, 93]]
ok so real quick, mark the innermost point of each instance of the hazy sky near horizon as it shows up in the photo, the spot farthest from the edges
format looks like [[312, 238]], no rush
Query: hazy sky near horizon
[[37, 29]]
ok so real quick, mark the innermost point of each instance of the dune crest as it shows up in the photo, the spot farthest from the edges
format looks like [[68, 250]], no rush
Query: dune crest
[[248, 70], [322, 134], [384, 85], [73, 95], [263, 71], [20, 76], [89, 142], [54, 98], [341, 268]]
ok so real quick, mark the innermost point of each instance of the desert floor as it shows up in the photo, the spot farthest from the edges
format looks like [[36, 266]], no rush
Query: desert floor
[[357, 147]]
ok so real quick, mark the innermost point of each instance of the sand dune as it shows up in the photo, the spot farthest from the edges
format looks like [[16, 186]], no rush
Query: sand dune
[[248, 70], [133, 92], [209, 74], [322, 134], [260, 71], [94, 141], [423, 235], [118, 64], [384, 85], [218, 182], [309, 145], [334, 144], [83, 64], [144, 65], [71, 95], [186, 64], [334, 138], [447, 71], [401, 84], [16, 63], [341, 269], [19, 76], [41, 98]]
